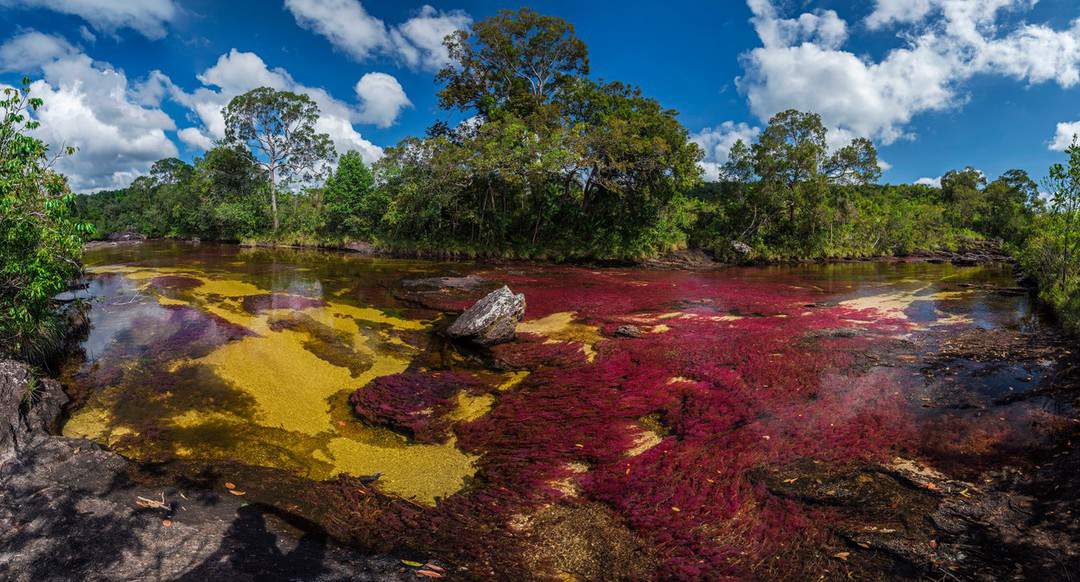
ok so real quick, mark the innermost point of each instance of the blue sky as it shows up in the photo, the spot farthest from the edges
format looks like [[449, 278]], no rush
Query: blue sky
[[937, 84]]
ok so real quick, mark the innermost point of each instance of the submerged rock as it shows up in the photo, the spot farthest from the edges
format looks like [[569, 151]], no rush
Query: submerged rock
[[492, 320], [467, 282]]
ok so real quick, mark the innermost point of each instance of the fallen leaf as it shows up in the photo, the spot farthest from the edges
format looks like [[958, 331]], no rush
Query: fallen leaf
[[412, 564], [166, 522], [237, 492], [792, 480], [436, 567], [230, 486], [428, 574], [676, 509], [842, 555]]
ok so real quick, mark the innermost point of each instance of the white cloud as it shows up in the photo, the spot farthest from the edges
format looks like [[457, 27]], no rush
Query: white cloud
[[344, 23], [382, 99], [237, 72], [89, 105], [347, 25], [148, 17], [717, 143], [195, 138], [30, 50], [898, 11], [86, 34], [945, 43], [1067, 133], [419, 40], [934, 182]]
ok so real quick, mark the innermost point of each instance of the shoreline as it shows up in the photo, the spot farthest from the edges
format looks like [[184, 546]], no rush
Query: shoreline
[[985, 253]]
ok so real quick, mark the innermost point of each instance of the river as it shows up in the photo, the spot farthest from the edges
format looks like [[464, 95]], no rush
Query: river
[[752, 423]]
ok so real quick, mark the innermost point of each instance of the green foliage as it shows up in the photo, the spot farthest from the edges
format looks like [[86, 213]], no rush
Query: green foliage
[[1052, 253], [353, 207], [222, 196], [278, 127], [552, 163], [40, 240], [513, 61]]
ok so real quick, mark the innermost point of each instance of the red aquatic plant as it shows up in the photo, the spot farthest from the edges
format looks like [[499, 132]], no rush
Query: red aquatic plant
[[416, 403], [174, 282], [256, 304], [734, 395]]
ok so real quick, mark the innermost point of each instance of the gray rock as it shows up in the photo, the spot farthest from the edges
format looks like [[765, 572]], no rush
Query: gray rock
[[629, 331], [492, 320], [466, 283], [742, 248], [27, 406]]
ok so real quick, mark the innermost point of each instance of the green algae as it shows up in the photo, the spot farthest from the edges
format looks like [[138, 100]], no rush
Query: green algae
[[276, 397]]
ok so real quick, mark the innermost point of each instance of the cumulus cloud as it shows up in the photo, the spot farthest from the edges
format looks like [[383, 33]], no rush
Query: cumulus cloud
[[1067, 133], [195, 138], [381, 98], [419, 40], [416, 42], [89, 105], [934, 182], [148, 17], [236, 72], [30, 50], [717, 143], [801, 63]]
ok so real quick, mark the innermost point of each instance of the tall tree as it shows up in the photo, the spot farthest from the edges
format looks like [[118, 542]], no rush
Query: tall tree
[[279, 128], [517, 60]]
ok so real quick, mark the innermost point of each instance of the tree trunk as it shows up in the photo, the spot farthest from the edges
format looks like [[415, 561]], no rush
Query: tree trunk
[[273, 201]]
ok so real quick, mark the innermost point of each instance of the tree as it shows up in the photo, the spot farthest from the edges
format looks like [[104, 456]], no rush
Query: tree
[[40, 241], [1011, 202], [279, 128], [513, 60], [962, 192], [353, 207]]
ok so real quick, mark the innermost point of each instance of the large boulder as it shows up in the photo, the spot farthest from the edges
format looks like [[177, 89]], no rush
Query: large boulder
[[492, 320], [28, 406]]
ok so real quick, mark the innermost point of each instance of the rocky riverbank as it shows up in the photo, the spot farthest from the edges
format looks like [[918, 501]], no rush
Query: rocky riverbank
[[70, 510]]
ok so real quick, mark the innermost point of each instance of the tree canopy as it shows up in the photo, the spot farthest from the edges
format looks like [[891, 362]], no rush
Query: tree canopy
[[278, 127]]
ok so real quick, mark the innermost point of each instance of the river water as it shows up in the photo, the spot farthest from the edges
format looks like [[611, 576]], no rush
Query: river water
[[573, 451]]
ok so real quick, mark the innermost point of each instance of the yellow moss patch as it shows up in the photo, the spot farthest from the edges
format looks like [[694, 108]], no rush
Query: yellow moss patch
[[290, 384], [472, 407], [513, 379], [645, 440], [561, 327], [422, 472], [95, 424]]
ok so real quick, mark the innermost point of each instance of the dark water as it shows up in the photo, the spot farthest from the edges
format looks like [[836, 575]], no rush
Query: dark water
[[219, 354]]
